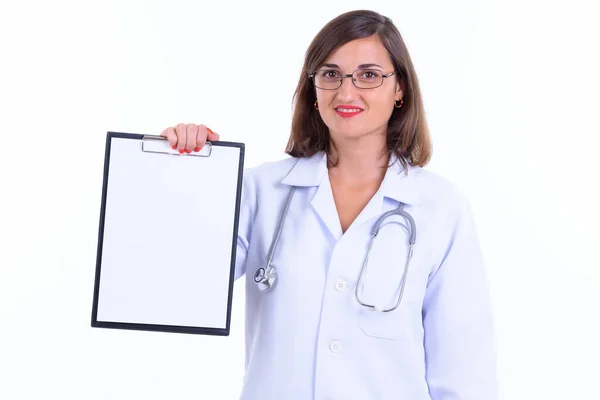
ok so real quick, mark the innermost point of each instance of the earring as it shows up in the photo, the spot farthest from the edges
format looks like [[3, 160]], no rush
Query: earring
[[316, 105], [398, 105]]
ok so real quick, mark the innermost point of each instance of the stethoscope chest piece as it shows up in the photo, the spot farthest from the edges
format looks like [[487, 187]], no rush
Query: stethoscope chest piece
[[265, 278]]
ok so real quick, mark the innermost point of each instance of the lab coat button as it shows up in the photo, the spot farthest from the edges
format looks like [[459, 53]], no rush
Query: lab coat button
[[335, 346], [340, 285]]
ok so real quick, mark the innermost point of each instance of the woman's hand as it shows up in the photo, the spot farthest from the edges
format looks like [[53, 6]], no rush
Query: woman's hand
[[190, 137]]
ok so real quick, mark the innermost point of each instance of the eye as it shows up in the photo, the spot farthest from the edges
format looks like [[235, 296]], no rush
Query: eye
[[330, 74], [369, 74]]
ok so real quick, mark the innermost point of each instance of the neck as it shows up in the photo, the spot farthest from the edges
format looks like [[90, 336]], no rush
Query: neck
[[361, 161]]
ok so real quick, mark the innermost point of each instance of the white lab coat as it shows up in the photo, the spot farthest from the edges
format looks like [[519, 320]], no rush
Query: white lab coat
[[308, 338]]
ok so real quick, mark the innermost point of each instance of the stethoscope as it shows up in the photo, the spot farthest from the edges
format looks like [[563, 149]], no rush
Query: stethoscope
[[265, 277]]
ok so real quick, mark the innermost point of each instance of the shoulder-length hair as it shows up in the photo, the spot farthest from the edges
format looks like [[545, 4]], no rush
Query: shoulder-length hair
[[408, 134]]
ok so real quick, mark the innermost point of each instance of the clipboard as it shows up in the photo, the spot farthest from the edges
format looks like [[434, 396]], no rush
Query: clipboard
[[167, 236]]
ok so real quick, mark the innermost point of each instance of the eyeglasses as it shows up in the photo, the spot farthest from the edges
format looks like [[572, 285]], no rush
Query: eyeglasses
[[330, 79]]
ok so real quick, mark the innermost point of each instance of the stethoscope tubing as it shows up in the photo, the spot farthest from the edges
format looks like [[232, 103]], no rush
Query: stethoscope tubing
[[265, 277]]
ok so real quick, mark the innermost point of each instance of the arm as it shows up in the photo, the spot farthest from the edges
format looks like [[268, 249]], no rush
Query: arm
[[247, 212], [457, 318]]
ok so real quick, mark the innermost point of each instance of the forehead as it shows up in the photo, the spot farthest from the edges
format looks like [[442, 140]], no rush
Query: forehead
[[361, 51]]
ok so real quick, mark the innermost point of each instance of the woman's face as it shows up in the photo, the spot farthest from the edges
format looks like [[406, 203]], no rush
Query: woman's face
[[375, 105]]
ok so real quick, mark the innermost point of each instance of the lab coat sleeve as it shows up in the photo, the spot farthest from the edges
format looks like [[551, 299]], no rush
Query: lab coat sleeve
[[246, 218], [457, 318]]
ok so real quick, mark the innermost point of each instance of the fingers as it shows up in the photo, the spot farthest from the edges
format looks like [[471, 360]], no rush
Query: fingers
[[202, 136], [192, 133], [171, 136], [212, 136], [189, 137], [180, 129]]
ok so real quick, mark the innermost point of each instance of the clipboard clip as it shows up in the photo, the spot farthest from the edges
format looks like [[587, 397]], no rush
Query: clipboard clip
[[160, 144]]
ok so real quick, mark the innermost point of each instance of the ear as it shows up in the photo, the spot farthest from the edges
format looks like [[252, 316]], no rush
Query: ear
[[400, 89]]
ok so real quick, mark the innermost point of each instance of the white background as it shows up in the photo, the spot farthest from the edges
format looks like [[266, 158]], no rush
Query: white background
[[511, 93]]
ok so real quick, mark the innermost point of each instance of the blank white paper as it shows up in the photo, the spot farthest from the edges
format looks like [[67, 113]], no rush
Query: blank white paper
[[168, 236]]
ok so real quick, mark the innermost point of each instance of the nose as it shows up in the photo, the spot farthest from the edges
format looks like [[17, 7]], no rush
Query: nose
[[347, 91]]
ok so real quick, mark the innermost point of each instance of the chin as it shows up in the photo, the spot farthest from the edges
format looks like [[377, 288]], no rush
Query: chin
[[345, 134]]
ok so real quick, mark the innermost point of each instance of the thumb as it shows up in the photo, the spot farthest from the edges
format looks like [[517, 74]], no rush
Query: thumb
[[212, 136]]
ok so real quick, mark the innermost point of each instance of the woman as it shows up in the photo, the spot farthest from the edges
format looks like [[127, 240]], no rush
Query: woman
[[319, 328]]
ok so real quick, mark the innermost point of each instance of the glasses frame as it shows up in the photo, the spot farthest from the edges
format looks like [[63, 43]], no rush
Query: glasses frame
[[342, 76]]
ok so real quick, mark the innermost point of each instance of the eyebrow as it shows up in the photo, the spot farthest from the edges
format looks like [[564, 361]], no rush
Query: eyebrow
[[361, 66]]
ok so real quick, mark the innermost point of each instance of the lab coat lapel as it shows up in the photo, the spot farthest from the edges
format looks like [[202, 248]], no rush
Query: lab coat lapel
[[324, 205], [371, 210], [397, 186], [312, 172]]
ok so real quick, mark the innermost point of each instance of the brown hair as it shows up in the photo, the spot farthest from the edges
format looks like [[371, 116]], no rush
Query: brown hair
[[408, 134]]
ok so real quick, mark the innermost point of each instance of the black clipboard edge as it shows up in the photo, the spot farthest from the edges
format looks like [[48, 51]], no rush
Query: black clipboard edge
[[164, 328]]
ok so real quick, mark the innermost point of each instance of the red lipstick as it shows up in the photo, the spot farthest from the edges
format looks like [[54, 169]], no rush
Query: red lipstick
[[347, 114]]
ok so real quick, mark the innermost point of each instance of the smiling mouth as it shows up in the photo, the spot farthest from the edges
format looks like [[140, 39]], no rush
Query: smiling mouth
[[347, 112]]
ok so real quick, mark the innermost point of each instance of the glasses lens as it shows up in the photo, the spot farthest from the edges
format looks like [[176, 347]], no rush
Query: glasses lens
[[363, 78], [367, 78], [327, 79]]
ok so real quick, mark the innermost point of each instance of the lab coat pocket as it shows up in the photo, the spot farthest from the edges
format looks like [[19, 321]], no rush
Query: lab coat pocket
[[394, 324], [385, 325]]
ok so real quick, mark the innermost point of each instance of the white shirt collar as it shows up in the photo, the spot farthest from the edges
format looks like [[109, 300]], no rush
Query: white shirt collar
[[397, 184]]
